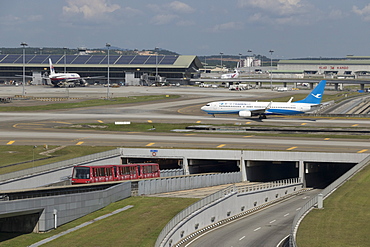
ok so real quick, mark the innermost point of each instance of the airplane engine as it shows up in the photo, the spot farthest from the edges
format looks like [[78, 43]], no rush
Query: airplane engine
[[245, 114]]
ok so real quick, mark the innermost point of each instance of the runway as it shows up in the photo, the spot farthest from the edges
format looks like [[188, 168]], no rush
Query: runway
[[38, 128]]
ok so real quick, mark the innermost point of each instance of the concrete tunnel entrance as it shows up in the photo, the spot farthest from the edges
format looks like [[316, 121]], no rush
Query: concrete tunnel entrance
[[206, 166], [266, 171], [321, 174]]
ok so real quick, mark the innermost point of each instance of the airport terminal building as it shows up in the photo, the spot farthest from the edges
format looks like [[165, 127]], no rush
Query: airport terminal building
[[123, 69], [352, 67]]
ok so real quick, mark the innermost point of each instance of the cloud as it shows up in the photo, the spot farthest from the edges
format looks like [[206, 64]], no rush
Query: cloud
[[364, 13], [168, 13], [163, 19], [227, 26], [90, 9], [181, 7], [277, 12], [281, 7]]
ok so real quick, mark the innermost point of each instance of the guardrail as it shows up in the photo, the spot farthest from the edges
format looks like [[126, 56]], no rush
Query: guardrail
[[192, 208], [217, 196], [325, 193], [58, 165]]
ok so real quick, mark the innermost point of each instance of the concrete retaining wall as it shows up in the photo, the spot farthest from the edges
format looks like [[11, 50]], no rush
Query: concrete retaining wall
[[162, 185], [233, 205], [58, 210]]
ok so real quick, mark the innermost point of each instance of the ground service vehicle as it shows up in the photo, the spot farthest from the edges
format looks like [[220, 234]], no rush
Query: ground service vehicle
[[105, 173]]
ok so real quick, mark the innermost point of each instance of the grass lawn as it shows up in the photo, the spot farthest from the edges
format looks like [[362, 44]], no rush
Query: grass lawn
[[13, 154], [345, 219], [89, 103], [136, 227]]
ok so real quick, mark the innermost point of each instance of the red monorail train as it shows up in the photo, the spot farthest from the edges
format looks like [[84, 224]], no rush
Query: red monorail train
[[105, 173]]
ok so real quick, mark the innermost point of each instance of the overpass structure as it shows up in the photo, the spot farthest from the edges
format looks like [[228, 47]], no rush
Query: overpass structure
[[49, 209]]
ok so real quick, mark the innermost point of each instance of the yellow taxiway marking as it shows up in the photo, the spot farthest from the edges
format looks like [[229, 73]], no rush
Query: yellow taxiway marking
[[291, 148], [150, 121], [150, 144], [222, 145], [61, 122], [362, 151], [10, 143], [100, 121], [303, 123], [354, 125], [79, 143], [199, 121], [326, 139]]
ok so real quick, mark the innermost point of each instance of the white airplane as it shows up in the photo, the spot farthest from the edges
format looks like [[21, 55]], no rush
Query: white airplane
[[248, 109], [231, 75], [66, 79]]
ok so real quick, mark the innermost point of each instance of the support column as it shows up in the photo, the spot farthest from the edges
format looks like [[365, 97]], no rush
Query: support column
[[285, 84], [301, 172], [362, 86], [185, 166], [243, 170], [336, 86]]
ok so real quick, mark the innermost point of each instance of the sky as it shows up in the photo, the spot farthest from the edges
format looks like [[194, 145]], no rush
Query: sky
[[291, 28]]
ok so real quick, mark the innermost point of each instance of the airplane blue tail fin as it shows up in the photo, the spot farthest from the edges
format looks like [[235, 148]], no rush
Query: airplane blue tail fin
[[316, 94]]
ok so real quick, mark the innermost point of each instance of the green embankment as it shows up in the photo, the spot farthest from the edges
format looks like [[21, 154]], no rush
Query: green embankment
[[135, 227], [345, 219], [15, 158], [88, 103]]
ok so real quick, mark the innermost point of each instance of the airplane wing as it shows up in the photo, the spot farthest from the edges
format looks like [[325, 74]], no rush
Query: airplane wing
[[92, 77], [255, 112]]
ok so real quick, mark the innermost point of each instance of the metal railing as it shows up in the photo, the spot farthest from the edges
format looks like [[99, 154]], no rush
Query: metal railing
[[264, 186], [60, 164], [191, 209], [326, 192], [218, 195]]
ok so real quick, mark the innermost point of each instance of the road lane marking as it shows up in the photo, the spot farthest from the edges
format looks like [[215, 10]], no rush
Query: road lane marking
[[291, 148], [247, 136], [326, 139], [285, 215], [222, 145], [272, 221], [150, 144], [247, 122], [303, 123], [199, 121], [10, 143], [100, 121], [257, 229], [79, 143], [190, 134], [354, 125], [150, 121], [362, 151], [241, 238], [298, 209]]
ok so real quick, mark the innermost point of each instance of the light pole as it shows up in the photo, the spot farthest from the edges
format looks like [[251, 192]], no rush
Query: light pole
[[271, 51], [156, 65], [249, 61], [24, 44], [65, 69], [108, 45], [222, 68], [240, 60]]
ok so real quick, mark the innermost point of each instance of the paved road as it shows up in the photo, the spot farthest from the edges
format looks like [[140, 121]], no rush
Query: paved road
[[38, 128], [265, 228]]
